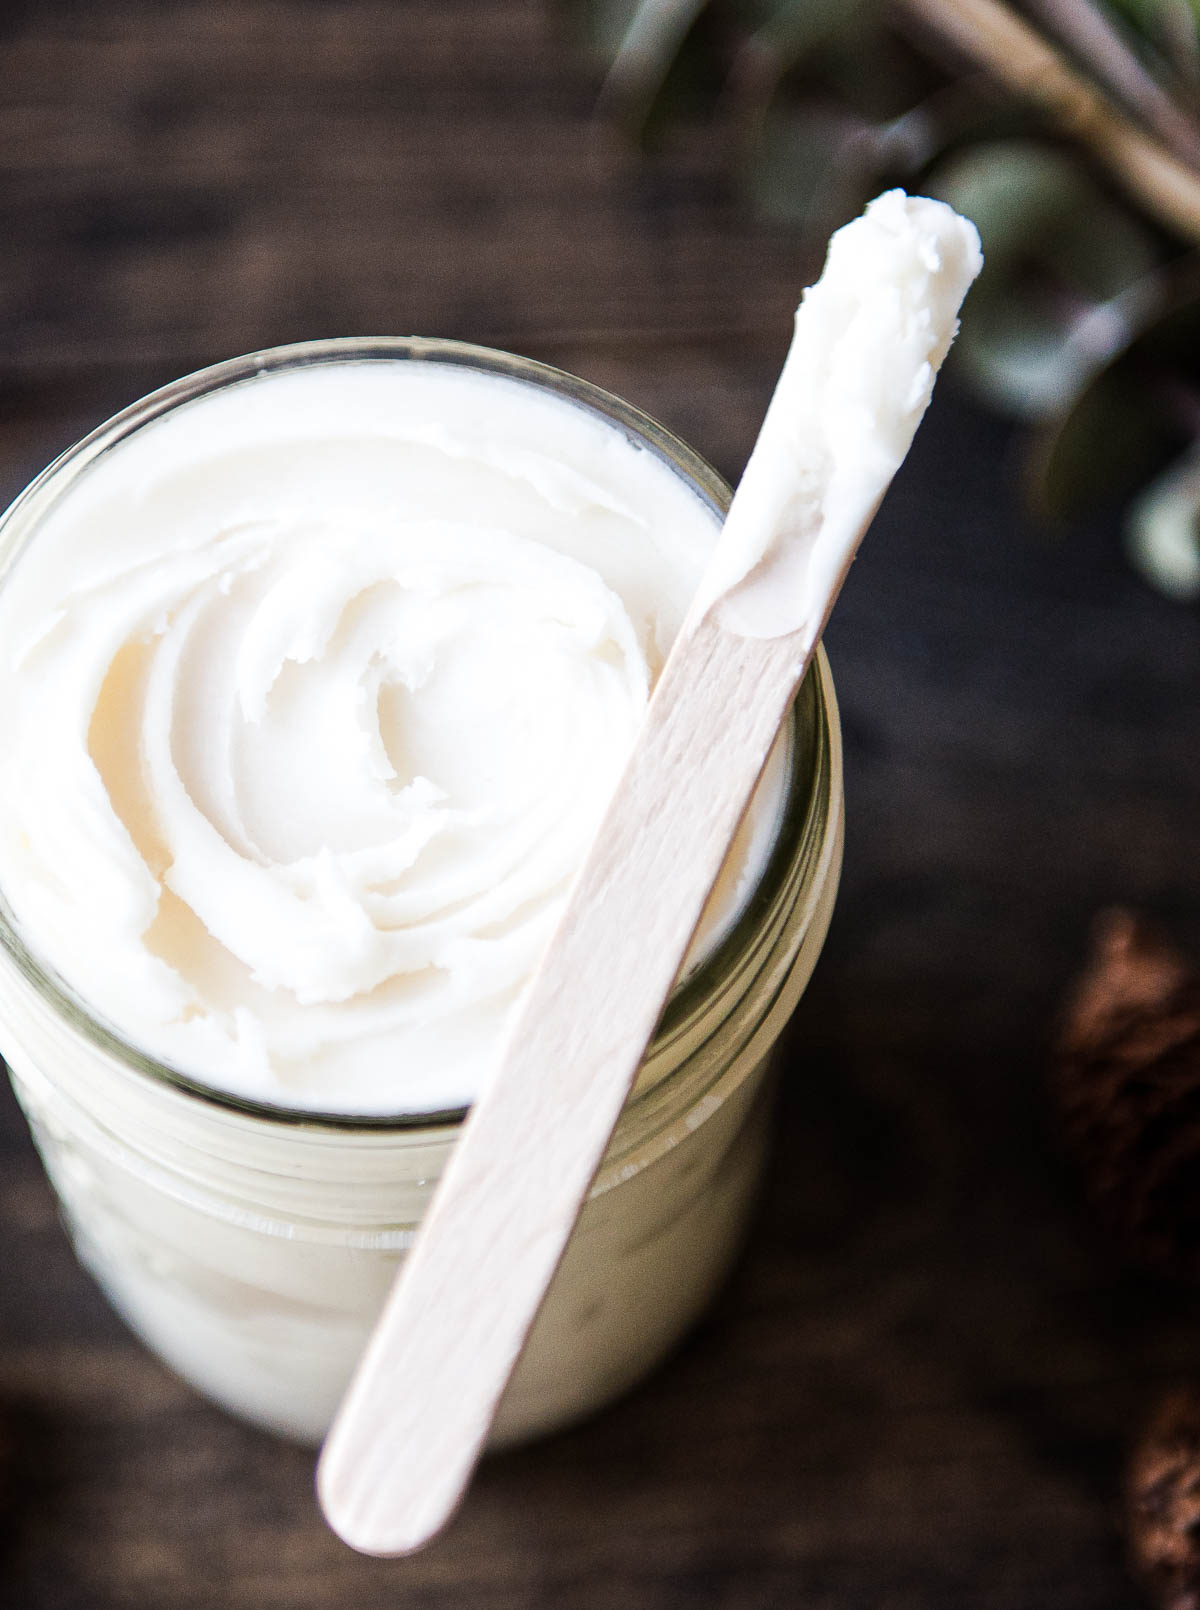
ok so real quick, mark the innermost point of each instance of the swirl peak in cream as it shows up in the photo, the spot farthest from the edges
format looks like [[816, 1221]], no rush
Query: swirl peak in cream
[[312, 692]]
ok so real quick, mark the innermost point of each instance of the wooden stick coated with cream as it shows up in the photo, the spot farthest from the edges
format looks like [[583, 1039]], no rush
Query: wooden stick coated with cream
[[869, 338]]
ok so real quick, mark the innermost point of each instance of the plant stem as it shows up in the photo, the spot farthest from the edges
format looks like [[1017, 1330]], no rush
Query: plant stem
[[991, 33], [1085, 28]]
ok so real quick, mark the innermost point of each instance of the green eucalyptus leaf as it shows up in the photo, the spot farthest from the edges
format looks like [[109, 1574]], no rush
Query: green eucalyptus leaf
[[871, 68], [1058, 254], [1162, 530], [783, 35], [815, 166], [1150, 17], [597, 27], [1139, 409], [970, 111], [816, 162], [661, 71], [1099, 448], [791, 29]]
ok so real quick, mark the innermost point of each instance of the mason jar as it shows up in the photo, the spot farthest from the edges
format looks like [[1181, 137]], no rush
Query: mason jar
[[252, 1246]]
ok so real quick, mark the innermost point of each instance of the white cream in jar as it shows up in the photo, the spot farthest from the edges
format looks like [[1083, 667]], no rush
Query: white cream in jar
[[312, 692], [251, 1243]]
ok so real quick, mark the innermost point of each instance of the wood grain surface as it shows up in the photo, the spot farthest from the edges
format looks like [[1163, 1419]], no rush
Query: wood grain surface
[[919, 1387]]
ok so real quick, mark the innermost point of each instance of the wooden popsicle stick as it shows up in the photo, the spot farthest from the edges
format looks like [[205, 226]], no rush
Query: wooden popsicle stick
[[418, 1411], [398, 1459]]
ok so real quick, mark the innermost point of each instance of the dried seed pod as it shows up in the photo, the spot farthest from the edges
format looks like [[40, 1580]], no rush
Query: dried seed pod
[[1128, 1086], [1162, 1503]]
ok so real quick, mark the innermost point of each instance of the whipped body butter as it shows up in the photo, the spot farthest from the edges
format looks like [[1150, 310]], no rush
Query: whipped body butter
[[317, 672]]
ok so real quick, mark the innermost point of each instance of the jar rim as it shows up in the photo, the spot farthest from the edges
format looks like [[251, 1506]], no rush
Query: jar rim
[[35, 502]]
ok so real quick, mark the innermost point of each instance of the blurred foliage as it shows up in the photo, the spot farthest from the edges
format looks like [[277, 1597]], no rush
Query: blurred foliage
[[1068, 130]]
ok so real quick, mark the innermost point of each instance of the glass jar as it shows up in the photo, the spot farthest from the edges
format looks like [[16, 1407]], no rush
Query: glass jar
[[251, 1246]]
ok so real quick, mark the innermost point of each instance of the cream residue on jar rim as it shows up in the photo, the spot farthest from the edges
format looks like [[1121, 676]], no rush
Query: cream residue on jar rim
[[312, 693]]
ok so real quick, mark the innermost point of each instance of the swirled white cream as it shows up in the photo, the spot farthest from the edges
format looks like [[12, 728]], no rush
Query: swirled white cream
[[312, 692]]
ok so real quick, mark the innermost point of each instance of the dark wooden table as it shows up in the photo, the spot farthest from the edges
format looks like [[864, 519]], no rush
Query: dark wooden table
[[919, 1388]]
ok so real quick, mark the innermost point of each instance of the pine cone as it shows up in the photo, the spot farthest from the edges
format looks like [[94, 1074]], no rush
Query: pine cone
[[1163, 1503], [1129, 1091]]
